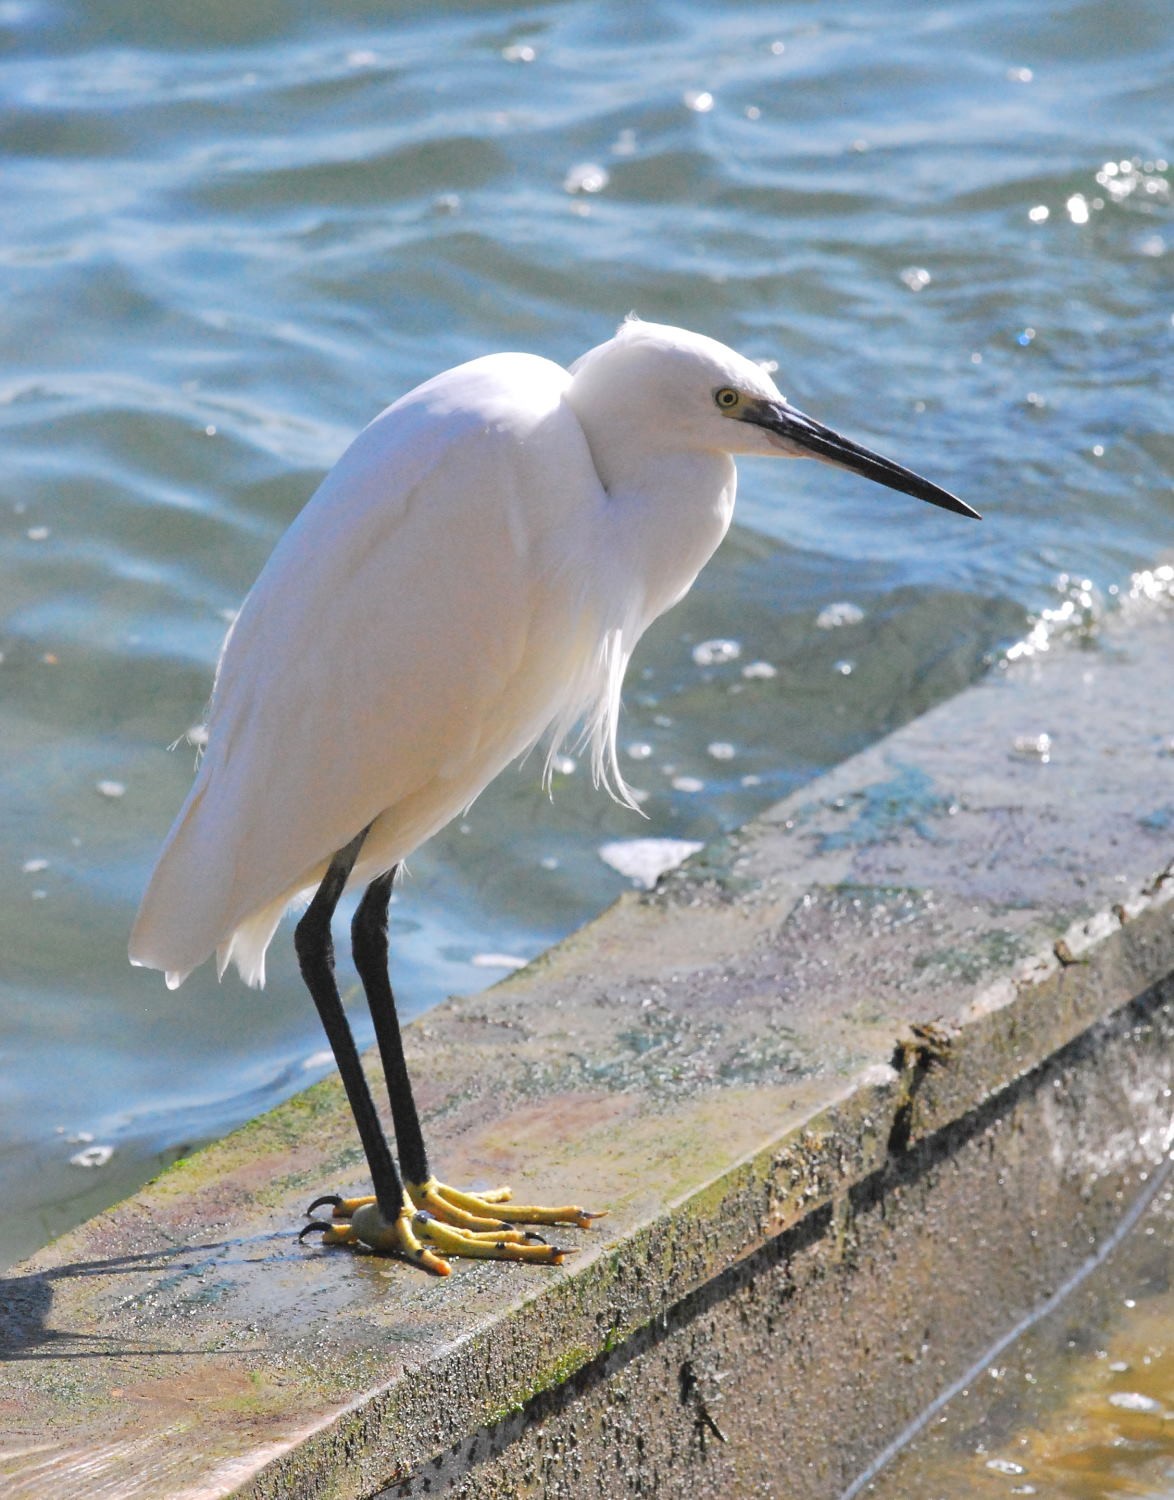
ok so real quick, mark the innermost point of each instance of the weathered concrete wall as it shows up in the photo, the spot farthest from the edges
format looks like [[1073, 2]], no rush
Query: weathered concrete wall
[[859, 1087], [784, 1374]]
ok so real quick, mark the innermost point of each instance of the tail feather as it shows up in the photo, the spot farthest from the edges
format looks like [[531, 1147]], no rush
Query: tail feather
[[192, 908], [186, 916], [247, 944]]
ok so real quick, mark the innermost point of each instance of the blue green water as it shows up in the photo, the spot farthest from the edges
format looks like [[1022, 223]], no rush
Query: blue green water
[[233, 232]]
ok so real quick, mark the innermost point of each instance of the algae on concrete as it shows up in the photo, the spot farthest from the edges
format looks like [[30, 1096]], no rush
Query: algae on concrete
[[855, 1087]]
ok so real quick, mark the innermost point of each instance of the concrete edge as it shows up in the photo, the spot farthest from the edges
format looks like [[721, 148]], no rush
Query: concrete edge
[[813, 1204], [893, 1122]]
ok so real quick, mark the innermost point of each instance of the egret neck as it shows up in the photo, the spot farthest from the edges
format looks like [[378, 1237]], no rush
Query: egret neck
[[667, 507]]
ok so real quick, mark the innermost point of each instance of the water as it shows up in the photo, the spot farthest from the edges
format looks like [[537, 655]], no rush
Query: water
[[233, 232], [1079, 1406]]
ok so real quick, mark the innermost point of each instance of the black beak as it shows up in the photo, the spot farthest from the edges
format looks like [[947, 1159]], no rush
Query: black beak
[[806, 438]]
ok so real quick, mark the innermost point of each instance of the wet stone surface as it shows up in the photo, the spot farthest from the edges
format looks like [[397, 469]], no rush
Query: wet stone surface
[[835, 1020]]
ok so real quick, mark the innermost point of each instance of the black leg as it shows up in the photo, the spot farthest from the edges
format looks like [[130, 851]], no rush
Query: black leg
[[369, 946], [315, 950]]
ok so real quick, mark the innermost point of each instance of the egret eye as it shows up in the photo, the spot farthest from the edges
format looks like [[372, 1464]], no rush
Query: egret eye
[[727, 397]]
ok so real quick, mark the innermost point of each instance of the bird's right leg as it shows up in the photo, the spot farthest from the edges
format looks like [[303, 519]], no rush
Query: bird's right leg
[[384, 1222], [481, 1225]]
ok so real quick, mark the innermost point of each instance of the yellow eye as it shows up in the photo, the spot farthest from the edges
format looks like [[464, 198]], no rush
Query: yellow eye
[[727, 398]]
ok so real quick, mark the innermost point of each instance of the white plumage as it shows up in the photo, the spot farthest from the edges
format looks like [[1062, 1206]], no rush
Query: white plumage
[[472, 574]]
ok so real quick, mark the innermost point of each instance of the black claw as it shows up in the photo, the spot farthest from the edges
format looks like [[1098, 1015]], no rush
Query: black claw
[[314, 1224], [537, 1238], [332, 1198]]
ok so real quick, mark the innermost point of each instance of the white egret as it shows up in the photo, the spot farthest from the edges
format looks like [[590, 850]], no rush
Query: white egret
[[470, 577]]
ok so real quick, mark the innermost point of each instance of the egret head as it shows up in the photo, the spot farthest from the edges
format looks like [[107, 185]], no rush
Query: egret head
[[688, 390], [668, 380]]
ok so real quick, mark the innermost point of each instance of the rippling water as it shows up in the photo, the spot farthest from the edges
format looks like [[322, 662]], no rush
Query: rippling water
[[233, 232]]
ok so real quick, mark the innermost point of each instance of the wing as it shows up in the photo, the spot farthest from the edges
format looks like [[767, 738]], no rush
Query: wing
[[413, 631]]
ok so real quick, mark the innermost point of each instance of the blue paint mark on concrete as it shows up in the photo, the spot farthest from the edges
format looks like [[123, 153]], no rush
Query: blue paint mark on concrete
[[880, 813]]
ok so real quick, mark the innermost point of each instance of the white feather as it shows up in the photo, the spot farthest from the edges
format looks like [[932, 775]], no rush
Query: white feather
[[473, 574]]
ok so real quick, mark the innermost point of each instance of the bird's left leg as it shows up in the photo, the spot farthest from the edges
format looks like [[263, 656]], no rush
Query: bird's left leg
[[484, 1217], [383, 1222]]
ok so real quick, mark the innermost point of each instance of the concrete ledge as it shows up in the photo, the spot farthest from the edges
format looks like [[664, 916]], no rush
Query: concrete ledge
[[860, 1087]]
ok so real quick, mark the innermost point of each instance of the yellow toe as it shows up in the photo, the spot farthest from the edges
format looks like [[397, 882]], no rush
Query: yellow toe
[[507, 1245], [437, 1221], [487, 1211]]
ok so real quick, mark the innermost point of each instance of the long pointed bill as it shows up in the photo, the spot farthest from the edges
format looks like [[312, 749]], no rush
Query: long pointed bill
[[806, 438]]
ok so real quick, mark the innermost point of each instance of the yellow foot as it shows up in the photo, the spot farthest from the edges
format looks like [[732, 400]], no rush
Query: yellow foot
[[358, 1221], [488, 1211]]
